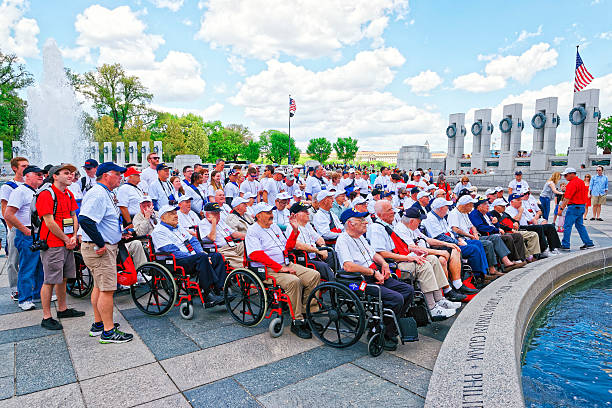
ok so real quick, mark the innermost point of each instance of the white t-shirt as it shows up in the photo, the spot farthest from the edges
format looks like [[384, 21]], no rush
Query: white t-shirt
[[410, 237], [188, 220], [314, 185], [322, 222], [21, 198], [99, 205], [356, 250], [378, 237], [197, 198], [223, 231], [232, 190], [270, 240], [513, 212], [384, 181], [459, 220], [6, 191], [253, 187], [129, 196], [148, 176], [161, 191], [272, 187], [291, 189], [518, 186], [74, 188], [281, 217]]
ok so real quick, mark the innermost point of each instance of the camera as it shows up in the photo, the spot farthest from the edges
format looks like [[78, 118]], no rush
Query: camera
[[39, 246]]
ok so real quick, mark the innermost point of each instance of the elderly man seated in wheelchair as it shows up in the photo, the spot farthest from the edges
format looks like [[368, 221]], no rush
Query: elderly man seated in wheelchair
[[309, 241], [169, 238], [356, 255], [239, 219], [267, 247], [215, 231]]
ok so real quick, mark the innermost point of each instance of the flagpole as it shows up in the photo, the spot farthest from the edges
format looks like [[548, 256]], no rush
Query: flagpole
[[289, 160]]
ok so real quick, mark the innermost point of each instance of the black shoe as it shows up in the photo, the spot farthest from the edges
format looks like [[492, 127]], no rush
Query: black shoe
[[300, 329], [599, 219], [213, 300], [455, 296], [69, 313], [116, 336], [51, 324], [593, 219], [467, 291], [587, 246], [565, 249], [390, 345]]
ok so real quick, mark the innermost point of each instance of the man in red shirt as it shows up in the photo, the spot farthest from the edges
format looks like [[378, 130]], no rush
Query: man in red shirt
[[57, 207], [576, 196]]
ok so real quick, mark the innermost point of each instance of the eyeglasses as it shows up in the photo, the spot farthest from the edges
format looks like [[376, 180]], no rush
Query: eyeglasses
[[154, 158]]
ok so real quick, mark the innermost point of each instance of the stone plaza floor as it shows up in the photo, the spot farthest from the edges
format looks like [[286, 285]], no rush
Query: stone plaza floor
[[209, 361]]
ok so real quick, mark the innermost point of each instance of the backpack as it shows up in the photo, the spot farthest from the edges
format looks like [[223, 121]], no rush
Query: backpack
[[36, 220], [11, 184]]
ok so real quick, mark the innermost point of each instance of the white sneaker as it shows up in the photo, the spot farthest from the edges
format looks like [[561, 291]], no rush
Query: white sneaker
[[53, 298], [554, 252], [447, 304], [546, 254], [27, 305], [441, 313], [141, 279]]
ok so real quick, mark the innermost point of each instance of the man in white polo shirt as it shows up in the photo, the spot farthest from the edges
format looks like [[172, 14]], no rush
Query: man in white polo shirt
[[129, 195], [267, 247], [187, 218], [325, 222], [214, 230]]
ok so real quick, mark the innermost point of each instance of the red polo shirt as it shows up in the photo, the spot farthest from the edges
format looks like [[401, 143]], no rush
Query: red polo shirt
[[44, 205], [576, 191]]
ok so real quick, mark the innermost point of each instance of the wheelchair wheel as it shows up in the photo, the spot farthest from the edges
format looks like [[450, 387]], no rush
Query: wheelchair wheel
[[250, 299], [340, 320], [375, 345], [186, 310], [157, 294], [276, 327], [83, 284]]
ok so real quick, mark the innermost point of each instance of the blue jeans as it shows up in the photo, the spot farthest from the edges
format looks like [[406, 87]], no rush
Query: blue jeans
[[30, 277], [573, 215], [545, 201]]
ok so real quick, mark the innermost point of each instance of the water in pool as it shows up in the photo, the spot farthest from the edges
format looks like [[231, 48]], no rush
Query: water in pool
[[567, 356]]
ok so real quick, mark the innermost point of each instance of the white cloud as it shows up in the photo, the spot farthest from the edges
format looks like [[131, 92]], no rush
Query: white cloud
[[220, 88], [488, 57], [187, 22], [605, 36], [424, 82], [236, 64], [120, 36], [18, 34], [558, 40], [77, 53], [209, 113], [524, 35], [301, 28], [343, 101], [477, 83], [172, 5], [523, 67]]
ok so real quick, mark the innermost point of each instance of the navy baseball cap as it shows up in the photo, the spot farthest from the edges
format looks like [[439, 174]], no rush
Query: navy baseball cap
[[162, 166], [212, 207], [90, 164], [297, 207], [514, 197], [414, 213], [32, 169], [518, 173], [350, 213], [415, 190], [109, 166]]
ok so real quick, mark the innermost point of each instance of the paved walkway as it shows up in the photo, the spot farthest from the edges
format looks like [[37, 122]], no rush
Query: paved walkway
[[209, 361]]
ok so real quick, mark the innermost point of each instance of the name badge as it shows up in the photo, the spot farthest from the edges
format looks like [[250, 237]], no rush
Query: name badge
[[68, 226], [286, 260], [232, 244]]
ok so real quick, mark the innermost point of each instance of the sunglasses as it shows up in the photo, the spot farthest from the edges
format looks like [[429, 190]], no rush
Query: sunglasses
[[154, 158]]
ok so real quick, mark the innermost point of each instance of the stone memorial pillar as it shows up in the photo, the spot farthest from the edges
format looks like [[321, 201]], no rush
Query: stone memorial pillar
[[145, 149], [16, 148], [511, 127], [544, 122], [94, 151], [157, 148], [120, 153], [481, 130], [584, 118], [455, 132], [107, 151], [133, 152]]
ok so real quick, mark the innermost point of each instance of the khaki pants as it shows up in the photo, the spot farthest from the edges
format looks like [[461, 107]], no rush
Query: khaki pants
[[233, 255], [136, 251], [532, 242], [430, 275], [298, 287], [103, 267]]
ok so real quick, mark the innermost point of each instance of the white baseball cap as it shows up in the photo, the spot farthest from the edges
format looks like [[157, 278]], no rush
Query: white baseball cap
[[184, 197], [323, 194], [351, 170], [339, 193], [498, 189], [568, 171], [283, 196], [261, 207], [431, 187], [358, 200], [422, 194], [439, 191], [490, 191], [248, 195], [239, 200], [466, 199], [167, 208], [146, 199], [500, 201], [298, 193], [439, 203]]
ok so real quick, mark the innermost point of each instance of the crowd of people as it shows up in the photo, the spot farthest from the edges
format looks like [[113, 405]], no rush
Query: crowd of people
[[386, 225]]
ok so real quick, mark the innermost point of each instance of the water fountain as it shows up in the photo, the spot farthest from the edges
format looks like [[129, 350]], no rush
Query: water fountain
[[54, 120]]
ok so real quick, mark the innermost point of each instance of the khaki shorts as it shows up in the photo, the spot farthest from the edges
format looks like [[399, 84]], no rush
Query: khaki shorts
[[58, 264], [598, 200], [103, 267]]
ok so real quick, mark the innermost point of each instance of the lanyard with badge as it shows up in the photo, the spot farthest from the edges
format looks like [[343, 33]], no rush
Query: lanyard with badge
[[185, 241], [68, 223], [365, 255], [113, 200], [278, 243]]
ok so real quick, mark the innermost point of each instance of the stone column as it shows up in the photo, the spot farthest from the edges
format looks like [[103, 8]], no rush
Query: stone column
[[145, 149], [455, 132], [107, 152], [512, 122], [481, 130], [157, 148], [544, 138], [583, 141], [16, 148], [120, 153], [94, 151], [133, 152]]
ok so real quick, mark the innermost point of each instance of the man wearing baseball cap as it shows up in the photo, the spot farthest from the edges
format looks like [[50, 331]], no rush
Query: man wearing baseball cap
[[518, 184], [326, 222], [129, 195], [574, 199], [503, 221], [146, 219], [160, 189], [101, 224], [239, 219], [267, 248], [216, 231], [422, 202], [281, 212]]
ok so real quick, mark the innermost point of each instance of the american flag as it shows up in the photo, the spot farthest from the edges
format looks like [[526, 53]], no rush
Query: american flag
[[291, 107], [583, 77]]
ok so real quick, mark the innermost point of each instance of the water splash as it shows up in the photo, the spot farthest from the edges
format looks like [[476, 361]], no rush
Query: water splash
[[54, 118]]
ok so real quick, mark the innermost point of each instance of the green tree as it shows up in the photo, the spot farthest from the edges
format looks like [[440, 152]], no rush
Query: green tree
[[251, 151], [13, 77], [346, 148], [116, 94], [277, 144], [604, 134], [319, 149], [180, 135]]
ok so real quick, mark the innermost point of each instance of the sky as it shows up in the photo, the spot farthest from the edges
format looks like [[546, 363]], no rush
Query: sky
[[387, 72]]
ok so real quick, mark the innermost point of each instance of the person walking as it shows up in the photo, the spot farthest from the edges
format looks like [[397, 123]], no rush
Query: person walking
[[574, 199], [598, 190], [548, 193]]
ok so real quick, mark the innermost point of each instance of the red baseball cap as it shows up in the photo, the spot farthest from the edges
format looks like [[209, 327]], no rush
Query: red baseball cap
[[131, 171]]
